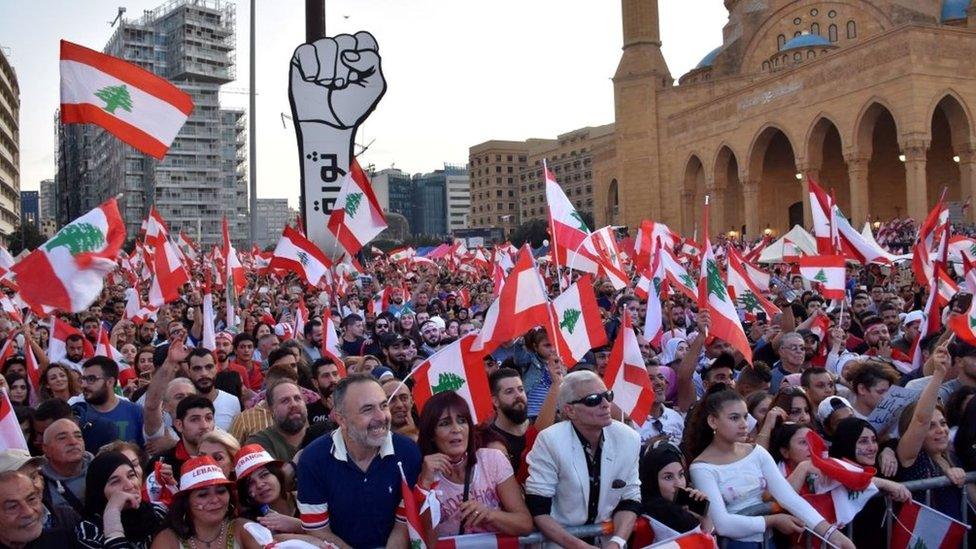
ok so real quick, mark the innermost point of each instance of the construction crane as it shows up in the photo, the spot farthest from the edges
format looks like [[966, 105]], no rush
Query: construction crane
[[118, 17]]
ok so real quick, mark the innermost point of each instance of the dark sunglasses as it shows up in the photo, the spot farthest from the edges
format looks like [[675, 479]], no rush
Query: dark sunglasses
[[593, 400]]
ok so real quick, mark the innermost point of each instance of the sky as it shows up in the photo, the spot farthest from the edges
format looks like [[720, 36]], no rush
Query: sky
[[459, 72]]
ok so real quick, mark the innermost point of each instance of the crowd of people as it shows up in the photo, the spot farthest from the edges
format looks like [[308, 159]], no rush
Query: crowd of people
[[267, 436]]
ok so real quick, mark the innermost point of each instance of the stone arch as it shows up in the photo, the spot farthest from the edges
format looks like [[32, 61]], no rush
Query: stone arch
[[876, 144], [729, 189], [772, 166], [825, 161], [613, 203], [951, 130], [693, 192]]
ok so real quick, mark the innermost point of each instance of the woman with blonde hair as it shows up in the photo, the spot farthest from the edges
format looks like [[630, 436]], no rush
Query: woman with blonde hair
[[221, 446]]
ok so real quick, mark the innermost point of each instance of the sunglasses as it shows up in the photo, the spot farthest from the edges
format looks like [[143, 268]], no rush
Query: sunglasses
[[593, 400]]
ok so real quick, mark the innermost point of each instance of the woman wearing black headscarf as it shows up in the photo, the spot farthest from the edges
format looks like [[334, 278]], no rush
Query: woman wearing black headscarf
[[662, 474], [115, 515], [855, 440]]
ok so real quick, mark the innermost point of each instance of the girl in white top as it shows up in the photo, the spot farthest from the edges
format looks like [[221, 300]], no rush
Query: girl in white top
[[734, 476]]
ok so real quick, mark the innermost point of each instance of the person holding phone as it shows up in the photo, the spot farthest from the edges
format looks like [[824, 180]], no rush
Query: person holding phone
[[665, 494]]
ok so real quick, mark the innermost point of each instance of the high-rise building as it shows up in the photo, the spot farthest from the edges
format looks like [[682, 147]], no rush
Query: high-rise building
[[30, 208], [273, 214], [202, 178], [494, 167], [458, 197], [9, 147], [48, 198], [429, 204], [570, 159]]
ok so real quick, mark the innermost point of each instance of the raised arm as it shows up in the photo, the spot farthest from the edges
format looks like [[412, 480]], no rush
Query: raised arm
[[912, 439], [686, 387], [152, 419]]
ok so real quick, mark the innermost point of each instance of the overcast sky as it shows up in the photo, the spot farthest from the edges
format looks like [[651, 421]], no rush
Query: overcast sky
[[459, 72]]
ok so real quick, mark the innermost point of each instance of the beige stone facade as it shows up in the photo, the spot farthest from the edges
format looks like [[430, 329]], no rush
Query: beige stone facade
[[494, 168], [871, 98]]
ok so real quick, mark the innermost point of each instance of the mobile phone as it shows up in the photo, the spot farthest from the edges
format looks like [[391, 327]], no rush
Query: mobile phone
[[761, 316], [683, 497]]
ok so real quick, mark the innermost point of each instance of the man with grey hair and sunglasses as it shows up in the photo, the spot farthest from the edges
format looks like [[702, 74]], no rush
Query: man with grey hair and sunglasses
[[589, 454]]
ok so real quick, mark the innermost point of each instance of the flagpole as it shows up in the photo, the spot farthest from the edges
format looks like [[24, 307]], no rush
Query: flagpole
[[572, 263], [552, 235], [704, 263]]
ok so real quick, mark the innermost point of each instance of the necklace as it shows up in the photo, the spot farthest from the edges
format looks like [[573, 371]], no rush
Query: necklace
[[220, 534], [461, 459]]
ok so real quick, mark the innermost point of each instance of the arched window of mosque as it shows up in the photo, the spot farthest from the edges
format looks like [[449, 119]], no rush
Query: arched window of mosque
[[814, 12], [815, 28], [851, 29], [811, 54], [797, 56], [797, 21], [780, 41], [831, 14], [832, 33], [797, 33], [765, 66]]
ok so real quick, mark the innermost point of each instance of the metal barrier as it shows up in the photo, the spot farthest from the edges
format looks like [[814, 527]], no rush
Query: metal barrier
[[606, 528]]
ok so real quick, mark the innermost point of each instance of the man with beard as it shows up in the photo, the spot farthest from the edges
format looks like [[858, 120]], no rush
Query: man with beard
[[146, 334], [349, 482], [89, 327], [396, 304], [194, 419], [74, 351], [223, 350], [98, 381], [401, 408], [511, 412], [283, 439], [313, 340], [677, 318], [325, 375], [430, 331], [396, 352], [202, 369]]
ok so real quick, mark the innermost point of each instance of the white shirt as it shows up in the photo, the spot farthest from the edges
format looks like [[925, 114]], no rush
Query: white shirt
[[226, 408], [672, 424]]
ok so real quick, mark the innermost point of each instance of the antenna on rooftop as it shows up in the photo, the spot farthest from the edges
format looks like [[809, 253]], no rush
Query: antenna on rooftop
[[118, 17]]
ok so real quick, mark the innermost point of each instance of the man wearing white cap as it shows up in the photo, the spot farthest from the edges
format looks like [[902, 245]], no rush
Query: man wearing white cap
[[910, 327]]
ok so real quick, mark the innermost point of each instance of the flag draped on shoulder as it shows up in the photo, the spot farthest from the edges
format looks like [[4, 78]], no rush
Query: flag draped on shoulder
[[713, 296], [578, 322], [356, 217], [67, 272], [455, 368], [131, 103], [300, 255]]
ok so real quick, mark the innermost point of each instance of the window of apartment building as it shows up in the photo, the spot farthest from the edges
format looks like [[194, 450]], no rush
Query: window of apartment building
[[498, 158], [498, 193], [498, 180], [498, 169], [511, 193], [500, 206], [589, 188], [524, 188], [511, 205], [511, 180], [509, 158], [521, 158], [511, 169]]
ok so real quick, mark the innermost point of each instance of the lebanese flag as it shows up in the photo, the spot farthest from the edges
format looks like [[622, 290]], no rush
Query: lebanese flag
[[11, 436], [744, 291], [713, 295], [522, 305], [131, 103], [611, 265], [105, 347], [654, 318], [7, 306], [234, 269], [300, 255], [849, 485], [155, 227], [678, 276], [498, 280], [187, 246], [57, 346], [330, 344], [169, 275], [921, 526], [8, 350], [301, 317], [479, 541], [67, 272], [135, 309], [569, 234], [356, 217], [409, 513], [827, 270], [691, 540], [457, 368], [648, 235], [626, 374], [578, 321], [855, 246], [33, 368], [824, 226]]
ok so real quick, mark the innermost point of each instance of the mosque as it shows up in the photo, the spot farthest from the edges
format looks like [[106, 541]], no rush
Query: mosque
[[872, 99]]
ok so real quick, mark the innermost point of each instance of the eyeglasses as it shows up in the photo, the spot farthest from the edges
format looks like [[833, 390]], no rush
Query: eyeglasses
[[90, 379], [593, 400]]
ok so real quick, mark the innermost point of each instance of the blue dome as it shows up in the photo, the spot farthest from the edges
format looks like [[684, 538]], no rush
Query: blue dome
[[954, 9], [709, 59], [806, 41]]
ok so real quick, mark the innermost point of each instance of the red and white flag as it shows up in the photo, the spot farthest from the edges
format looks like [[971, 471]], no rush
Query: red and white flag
[[208, 338], [156, 231], [827, 270], [300, 255], [11, 435], [745, 293], [843, 488], [57, 348], [824, 225], [409, 513], [522, 305], [131, 103], [626, 374], [169, 275], [233, 276], [569, 233], [713, 296], [106, 349], [577, 318], [678, 276], [455, 368], [356, 217], [919, 526], [67, 272], [330, 344], [654, 318]]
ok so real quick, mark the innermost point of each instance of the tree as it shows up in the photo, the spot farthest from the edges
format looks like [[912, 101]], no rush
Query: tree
[[115, 97], [24, 236], [533, 232]]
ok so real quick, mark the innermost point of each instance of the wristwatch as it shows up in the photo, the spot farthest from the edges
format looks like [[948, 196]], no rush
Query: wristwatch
[[621, 542]]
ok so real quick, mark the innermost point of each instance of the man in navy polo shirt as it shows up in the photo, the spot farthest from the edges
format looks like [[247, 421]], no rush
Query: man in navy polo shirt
[[349, 483]]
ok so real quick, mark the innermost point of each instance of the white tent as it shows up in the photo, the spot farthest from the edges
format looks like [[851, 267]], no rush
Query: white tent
[[804, 242]]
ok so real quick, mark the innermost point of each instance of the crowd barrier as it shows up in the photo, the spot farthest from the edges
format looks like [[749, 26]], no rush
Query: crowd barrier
[[606, 528]]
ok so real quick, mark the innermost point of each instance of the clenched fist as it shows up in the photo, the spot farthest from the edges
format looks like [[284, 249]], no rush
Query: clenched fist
[[336, 81]]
